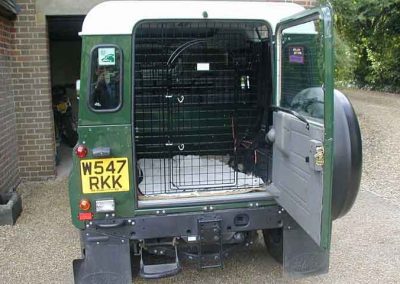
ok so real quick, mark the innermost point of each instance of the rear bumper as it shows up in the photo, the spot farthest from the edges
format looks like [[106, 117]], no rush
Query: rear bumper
[[184, 224], [106, 243]]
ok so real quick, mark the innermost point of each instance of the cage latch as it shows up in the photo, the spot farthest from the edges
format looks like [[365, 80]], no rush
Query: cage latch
[[181, 146], [181, 99]]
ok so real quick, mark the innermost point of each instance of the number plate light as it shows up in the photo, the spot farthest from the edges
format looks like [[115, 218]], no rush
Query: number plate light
[[105, 205]]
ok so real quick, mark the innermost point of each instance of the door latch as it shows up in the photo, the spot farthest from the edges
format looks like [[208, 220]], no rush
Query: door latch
[[319, 156]]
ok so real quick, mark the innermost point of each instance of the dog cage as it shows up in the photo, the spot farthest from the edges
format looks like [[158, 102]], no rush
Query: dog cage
[[201, 95]]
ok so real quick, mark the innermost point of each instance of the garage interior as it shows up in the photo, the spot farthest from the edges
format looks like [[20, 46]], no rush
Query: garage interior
[[65, 56]]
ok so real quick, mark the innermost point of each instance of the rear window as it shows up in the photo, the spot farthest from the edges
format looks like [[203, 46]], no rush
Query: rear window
[[105, 78]]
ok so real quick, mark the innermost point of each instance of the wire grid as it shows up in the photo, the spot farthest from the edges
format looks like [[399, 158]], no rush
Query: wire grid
[[196, 96], [310, 66]]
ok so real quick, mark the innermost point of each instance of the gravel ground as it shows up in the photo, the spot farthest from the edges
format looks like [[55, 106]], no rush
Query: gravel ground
[[379, 118], [365, 244]]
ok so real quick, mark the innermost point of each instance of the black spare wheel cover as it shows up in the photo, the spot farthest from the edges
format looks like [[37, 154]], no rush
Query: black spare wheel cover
[[347, 146]]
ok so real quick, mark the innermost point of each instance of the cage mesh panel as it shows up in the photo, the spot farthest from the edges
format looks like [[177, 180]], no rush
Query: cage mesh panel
[[190, 122]]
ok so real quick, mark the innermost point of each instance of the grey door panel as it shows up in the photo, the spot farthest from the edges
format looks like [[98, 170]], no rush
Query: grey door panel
[[296, 176]]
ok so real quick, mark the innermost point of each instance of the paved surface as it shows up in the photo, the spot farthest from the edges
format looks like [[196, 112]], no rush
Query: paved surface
[[365, 244], [379, 116], [65, 165]]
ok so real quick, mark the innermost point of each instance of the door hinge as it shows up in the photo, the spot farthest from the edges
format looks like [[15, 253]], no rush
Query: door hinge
[[319, 156]]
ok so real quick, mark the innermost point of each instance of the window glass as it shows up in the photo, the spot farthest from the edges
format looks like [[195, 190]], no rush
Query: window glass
[[105, 81], [302, 69]]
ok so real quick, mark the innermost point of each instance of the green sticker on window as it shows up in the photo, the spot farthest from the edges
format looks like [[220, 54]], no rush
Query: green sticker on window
[[106, 56]]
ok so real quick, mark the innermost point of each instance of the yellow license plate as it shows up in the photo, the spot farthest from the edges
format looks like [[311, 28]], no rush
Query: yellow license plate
[[105, 175]]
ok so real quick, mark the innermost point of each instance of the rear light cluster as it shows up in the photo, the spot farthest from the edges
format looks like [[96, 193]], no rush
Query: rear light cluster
[[102, 206], [81, 151], [85, 205]]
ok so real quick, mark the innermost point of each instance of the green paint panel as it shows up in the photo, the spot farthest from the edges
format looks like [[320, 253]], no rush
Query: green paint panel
[[123, 115], [118, 138], [328, 40]]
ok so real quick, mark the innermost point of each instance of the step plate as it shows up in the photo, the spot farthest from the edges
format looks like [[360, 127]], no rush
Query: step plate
[[210, 244], [156, 271]]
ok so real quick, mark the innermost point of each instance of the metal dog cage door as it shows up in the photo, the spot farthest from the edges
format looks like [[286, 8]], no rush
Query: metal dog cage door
[[196, 95]]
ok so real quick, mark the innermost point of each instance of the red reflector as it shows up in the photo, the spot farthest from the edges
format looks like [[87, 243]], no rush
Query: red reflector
[[81, 151], [85, 216]]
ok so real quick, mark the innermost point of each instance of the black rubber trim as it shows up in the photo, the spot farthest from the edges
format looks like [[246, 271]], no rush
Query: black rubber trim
[[292, 112]]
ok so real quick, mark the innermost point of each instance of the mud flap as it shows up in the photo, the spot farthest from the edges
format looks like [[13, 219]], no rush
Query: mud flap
[[301, 255], [106, 260]]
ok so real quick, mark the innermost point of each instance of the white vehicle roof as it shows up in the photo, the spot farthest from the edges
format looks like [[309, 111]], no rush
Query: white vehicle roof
[[120, 17]]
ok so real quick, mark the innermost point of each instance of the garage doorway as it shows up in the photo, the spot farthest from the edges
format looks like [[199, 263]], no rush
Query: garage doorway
[[65, 58]]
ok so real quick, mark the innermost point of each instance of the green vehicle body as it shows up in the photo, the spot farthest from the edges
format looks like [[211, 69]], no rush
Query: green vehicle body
[[115, 128]]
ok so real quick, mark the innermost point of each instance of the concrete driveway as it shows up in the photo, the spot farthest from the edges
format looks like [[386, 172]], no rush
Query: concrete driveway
[[365, 243]]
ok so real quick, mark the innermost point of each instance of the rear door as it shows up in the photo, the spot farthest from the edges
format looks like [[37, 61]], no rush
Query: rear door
[[303, 121]]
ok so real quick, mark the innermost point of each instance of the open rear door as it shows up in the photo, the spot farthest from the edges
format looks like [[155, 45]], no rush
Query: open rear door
[[303, 132]]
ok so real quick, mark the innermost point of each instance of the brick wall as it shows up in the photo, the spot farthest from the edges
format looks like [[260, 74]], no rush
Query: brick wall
[[8, 145], [31, 84]]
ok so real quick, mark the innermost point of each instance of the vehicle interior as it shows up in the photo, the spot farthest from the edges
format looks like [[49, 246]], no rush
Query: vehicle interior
[[202, 109]]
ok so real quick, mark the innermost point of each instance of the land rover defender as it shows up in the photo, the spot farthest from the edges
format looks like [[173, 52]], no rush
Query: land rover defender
[[202, 123]]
